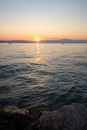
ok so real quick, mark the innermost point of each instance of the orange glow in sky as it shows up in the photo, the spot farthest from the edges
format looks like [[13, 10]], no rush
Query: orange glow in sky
[[47, 19]]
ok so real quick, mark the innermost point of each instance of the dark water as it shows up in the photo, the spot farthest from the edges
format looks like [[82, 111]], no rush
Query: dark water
[[35, 74]]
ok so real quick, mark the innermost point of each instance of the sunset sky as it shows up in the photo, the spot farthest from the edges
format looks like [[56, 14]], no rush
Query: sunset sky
[[44, 19]]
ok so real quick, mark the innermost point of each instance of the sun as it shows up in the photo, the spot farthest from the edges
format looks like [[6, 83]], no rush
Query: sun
[[37, 39]]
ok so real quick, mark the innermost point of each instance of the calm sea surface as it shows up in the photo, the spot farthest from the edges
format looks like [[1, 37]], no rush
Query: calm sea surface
[[36, 74]]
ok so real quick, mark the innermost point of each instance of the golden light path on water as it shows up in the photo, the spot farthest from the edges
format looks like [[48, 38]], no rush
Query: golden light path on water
[[42, 73]]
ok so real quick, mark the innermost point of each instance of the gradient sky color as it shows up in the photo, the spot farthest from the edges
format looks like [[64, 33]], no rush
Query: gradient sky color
[[46, 19]]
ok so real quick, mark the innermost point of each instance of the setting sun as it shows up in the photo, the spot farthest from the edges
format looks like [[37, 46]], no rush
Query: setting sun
[[37, 39]]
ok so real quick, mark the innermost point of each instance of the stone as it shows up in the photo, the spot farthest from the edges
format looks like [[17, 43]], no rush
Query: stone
[[13, 118], [69, 117], [16, 110]]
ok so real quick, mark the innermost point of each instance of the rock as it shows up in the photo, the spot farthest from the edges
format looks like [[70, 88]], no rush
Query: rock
[[15, 110], [6, 125], [69, 117], [13, 118]]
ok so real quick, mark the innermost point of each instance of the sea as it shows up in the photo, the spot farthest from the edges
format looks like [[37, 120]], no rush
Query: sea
[[34, 74]]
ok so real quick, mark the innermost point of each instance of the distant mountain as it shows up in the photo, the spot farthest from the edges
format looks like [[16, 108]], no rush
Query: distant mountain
[[64, 41], [45, 41], [15, 41]]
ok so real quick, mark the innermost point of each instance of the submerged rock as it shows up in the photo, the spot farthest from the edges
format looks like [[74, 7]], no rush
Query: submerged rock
[[69, 117]]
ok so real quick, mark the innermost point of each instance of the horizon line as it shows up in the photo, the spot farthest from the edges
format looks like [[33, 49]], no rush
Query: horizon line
[[40, 39], [46, 41]]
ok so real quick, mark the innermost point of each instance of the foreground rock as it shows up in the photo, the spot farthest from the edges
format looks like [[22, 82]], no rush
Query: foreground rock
[[69, 117], [15, 110], [13, 118]]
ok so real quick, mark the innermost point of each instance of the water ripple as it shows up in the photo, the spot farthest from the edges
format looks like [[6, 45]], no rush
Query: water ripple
[[51, 74]]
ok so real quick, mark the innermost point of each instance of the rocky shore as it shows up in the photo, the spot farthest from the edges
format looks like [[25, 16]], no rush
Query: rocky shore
[[69, 117]]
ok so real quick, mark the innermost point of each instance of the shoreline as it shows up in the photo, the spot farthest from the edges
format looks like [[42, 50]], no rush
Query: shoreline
[[68, 117]]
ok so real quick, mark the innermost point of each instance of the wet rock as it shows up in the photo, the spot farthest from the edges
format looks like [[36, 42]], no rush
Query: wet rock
[[69, 117]]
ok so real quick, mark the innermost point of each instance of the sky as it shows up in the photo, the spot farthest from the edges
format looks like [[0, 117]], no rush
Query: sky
[[43, 19]]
